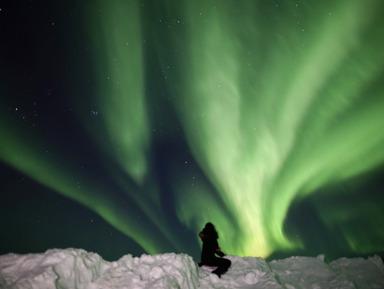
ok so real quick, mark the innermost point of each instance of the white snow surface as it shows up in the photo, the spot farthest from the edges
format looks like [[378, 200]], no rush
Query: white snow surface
[[78, 269]]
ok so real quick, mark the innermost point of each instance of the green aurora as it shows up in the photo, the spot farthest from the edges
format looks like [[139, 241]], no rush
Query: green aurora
[[278, 102]]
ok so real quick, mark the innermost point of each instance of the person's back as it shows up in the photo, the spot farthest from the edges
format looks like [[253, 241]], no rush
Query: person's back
[[210, 248]]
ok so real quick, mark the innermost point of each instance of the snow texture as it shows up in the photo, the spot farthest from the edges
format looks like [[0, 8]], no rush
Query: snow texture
[[78, 269]]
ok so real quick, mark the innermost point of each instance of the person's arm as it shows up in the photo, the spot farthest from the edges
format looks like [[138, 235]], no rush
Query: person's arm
[[219, 252]]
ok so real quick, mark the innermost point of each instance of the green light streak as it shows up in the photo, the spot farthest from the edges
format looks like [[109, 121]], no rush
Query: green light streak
[[119, 61], [275, 115], [56, 173]]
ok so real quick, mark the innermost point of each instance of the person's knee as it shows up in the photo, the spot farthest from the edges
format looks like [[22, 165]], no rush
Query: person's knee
[[227, 263]]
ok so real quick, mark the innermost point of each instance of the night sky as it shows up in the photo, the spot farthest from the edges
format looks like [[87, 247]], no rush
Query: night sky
[[125, 126]]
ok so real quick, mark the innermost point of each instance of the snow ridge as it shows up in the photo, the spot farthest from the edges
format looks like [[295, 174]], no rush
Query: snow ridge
[[79, 269]]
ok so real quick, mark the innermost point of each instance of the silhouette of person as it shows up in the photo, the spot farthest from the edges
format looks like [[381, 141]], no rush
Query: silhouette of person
[[209, 237]]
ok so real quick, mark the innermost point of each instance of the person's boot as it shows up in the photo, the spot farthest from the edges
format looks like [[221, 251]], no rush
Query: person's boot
[[218, 273]]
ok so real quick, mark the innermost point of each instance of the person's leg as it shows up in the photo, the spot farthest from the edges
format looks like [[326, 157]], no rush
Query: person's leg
[[222, 266]]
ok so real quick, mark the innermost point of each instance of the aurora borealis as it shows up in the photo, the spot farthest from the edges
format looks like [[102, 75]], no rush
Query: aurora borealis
[[263, 117]]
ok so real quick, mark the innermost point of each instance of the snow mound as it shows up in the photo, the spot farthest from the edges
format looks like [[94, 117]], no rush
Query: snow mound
[[76, 268]]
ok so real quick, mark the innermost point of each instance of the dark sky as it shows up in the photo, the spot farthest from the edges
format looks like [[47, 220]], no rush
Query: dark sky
[[126, 125]]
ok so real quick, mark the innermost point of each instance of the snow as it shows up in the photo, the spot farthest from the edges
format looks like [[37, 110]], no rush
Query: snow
[[77, 268]]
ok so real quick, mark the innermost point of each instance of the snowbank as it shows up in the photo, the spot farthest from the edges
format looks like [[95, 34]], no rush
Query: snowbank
[[76, 268]]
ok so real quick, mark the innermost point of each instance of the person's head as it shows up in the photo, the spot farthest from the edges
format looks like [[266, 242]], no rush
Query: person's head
[[210, 231]]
